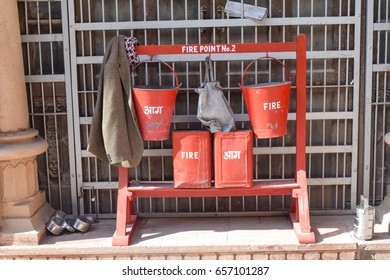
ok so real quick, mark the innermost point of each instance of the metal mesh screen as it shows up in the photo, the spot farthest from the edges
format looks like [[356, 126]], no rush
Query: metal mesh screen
[[377, 157], [47, 73], [333, 44], [62, 99]]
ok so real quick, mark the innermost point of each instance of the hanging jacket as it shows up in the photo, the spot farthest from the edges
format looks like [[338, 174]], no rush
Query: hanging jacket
[[115, 137]]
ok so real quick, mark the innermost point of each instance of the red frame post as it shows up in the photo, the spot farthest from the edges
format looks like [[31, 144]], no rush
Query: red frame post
[[301, 103], [124, 228]]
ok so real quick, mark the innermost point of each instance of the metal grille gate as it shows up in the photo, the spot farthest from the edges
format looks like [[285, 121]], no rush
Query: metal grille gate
[[45, 40], [377, 107], [333, 32]]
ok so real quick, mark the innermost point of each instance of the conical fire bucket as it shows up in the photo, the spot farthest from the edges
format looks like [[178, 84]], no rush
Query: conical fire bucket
[[267, 104], [154, 105]]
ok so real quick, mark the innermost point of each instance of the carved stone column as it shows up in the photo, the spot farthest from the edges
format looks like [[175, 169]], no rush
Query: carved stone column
[[23, 207]]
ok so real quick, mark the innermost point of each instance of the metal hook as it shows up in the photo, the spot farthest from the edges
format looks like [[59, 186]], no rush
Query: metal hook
[[207, 58]]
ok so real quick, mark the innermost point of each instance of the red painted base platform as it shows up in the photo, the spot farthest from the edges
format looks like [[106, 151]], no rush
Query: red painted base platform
[[127, 219]]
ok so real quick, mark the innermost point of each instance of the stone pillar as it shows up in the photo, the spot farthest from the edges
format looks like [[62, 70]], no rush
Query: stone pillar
[[23, 207]]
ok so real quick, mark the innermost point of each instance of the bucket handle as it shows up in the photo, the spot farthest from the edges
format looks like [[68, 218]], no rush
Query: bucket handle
[[166, 64], [288, 78]]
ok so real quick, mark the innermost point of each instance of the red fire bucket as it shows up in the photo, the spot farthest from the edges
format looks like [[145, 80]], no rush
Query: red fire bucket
[[267, 104], [154, 105]]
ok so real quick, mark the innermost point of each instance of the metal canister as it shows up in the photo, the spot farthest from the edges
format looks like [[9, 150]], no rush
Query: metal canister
[[233, 159], [55, 226], [364, 220]]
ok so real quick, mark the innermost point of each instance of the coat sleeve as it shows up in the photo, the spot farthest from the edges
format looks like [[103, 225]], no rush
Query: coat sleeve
[[122, 139], [114, 135], [118, 140]]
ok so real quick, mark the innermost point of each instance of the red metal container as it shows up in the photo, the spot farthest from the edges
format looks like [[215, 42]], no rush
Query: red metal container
[[267, 104], [233, 159], [154, 105], [191, 151]]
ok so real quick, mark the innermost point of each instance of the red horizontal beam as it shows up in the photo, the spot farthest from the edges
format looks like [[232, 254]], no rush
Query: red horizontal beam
[[216, 48], [277, 187]]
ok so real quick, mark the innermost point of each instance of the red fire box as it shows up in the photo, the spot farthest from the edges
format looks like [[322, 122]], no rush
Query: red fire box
[[233, 159], [191, 151]]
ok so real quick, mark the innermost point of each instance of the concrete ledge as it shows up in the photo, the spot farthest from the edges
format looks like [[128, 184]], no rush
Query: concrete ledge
[[200, 238], [210, 238]]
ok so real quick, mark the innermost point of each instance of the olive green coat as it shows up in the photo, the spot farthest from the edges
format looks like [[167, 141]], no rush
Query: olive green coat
[[115, 137]]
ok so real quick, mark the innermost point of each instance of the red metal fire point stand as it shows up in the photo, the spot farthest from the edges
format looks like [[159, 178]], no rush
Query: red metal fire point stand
[[126, 220]]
